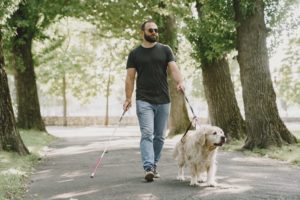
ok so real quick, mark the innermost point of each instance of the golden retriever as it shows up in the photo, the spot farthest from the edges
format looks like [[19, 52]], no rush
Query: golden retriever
[[198, 150]]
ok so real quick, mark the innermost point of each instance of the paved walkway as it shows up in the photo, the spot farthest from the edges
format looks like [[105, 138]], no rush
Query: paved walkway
[[65, 172]]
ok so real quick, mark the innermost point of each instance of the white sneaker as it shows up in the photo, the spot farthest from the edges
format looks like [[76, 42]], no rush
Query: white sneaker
[[156, 174]]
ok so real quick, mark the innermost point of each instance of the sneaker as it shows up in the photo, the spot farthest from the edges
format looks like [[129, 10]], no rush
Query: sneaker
[[156, 174], [149, 175]]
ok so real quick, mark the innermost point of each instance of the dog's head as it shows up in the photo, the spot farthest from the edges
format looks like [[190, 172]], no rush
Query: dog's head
[[212, 136]]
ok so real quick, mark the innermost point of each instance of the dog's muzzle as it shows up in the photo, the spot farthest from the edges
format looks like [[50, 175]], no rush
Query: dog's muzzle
[[223, 140]]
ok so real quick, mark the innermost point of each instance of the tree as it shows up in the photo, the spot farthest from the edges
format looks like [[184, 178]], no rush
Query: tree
[[212, 37], [28, 22], [263, 124], [10, 139]]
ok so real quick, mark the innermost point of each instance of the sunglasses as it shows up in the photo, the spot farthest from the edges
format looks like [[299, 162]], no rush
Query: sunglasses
[[152, 30]]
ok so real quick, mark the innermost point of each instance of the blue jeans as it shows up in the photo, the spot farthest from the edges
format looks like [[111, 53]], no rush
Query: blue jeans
[[153, 119]]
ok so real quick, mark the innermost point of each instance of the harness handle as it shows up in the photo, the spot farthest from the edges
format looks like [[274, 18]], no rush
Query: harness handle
[[194, 117]]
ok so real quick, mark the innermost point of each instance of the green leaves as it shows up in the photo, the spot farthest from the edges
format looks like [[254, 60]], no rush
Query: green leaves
[[212, 30], [7, 7], [288, 75]]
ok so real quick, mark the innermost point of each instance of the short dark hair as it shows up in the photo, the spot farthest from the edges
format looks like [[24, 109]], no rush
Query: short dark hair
[[145, 22]]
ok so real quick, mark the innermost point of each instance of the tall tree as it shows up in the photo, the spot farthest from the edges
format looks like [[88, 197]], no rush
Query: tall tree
[[263, 124], [212, 41], [10, 139], [28, 22]]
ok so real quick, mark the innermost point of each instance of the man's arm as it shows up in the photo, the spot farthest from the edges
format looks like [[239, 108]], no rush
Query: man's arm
[[129, 86], [175, 72]]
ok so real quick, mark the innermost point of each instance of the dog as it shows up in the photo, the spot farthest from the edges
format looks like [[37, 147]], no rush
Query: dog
[[198, 150]]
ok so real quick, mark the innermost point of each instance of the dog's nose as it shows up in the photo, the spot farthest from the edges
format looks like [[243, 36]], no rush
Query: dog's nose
[[223, 138]]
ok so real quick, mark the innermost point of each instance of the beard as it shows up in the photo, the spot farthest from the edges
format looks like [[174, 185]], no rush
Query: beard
[[151, 38]]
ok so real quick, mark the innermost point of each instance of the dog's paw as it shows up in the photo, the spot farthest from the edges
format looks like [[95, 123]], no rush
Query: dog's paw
[[212, 184], [194, 184], [180, 178], [201, 179]]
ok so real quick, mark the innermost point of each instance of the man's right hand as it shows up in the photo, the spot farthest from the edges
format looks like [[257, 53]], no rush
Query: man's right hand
[[127, 104]]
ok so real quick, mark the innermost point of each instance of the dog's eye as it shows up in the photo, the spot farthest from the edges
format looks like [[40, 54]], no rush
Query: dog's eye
[[215, 133]]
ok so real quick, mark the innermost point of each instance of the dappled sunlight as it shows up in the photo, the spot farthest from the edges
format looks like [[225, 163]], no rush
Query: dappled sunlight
[[95, 146], [74, 132], [44, 171], [237, 180], [64, 181], [71, 150], [73, 194], [13, 171], [222, 189], [146, 197], [73, 174]]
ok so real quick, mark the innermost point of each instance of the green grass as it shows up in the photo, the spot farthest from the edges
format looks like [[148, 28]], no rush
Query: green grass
[[15, 169], [288, 153]]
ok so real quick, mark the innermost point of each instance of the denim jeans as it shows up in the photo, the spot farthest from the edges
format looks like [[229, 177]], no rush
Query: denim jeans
[[153, 119]]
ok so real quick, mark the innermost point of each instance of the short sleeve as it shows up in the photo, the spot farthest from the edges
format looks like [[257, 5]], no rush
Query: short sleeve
[[130, 61], [170, 55]]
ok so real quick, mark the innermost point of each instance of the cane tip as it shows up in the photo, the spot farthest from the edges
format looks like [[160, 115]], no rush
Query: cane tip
[[92, 176]]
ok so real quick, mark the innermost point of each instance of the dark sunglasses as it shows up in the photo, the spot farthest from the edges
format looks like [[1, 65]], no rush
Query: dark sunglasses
[[152, 30]]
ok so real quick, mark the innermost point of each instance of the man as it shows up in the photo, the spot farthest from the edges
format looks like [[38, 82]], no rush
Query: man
[[150, 61]]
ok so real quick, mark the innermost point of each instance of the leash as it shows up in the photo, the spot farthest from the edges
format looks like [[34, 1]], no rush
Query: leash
[[194, 117], [106, 147]]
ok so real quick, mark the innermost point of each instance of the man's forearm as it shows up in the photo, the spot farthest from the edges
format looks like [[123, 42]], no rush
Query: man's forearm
[[177, 76], [129, 85]]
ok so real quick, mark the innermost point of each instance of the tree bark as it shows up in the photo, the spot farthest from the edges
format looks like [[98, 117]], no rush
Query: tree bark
[[106, 120], [179, 119], [10, 139], [64, 94], [29, 115], [222, 104], [263, 124]]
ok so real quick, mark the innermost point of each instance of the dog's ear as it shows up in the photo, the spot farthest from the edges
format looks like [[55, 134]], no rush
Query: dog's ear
[[202, 139]]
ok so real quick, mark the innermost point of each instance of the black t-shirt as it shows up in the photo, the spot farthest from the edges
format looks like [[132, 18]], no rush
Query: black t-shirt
[[151, 66]]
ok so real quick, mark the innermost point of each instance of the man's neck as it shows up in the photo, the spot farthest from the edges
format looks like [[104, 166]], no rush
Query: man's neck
[[147, 44]]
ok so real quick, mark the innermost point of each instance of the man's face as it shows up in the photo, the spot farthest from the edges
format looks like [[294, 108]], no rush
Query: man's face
[[151, 32]]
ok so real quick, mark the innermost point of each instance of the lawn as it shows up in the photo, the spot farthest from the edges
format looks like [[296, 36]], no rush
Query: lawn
[[288, 153], [15, 169]]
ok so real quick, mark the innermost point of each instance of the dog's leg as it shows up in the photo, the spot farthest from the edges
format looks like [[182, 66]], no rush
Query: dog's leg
[[181, 164], [202, 176], [194, 173], [180, 173], [211, 175]]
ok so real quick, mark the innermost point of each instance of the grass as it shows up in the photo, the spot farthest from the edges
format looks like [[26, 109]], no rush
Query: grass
[[288, 153], [15, 169]]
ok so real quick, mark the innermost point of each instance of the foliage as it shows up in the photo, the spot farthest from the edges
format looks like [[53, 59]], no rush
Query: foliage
[[288, 75], [7, 7], [282, 18], [209, 29], [82, 57]]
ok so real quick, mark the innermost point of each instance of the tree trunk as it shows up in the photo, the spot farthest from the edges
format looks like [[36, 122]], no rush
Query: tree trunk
[[179, 119], [263, 124], [29, 115], [10, 139], [222, 105], [106, 121], [64, 91]]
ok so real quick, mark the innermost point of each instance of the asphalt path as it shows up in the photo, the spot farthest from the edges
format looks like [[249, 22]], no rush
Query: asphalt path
[[69, 160]]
